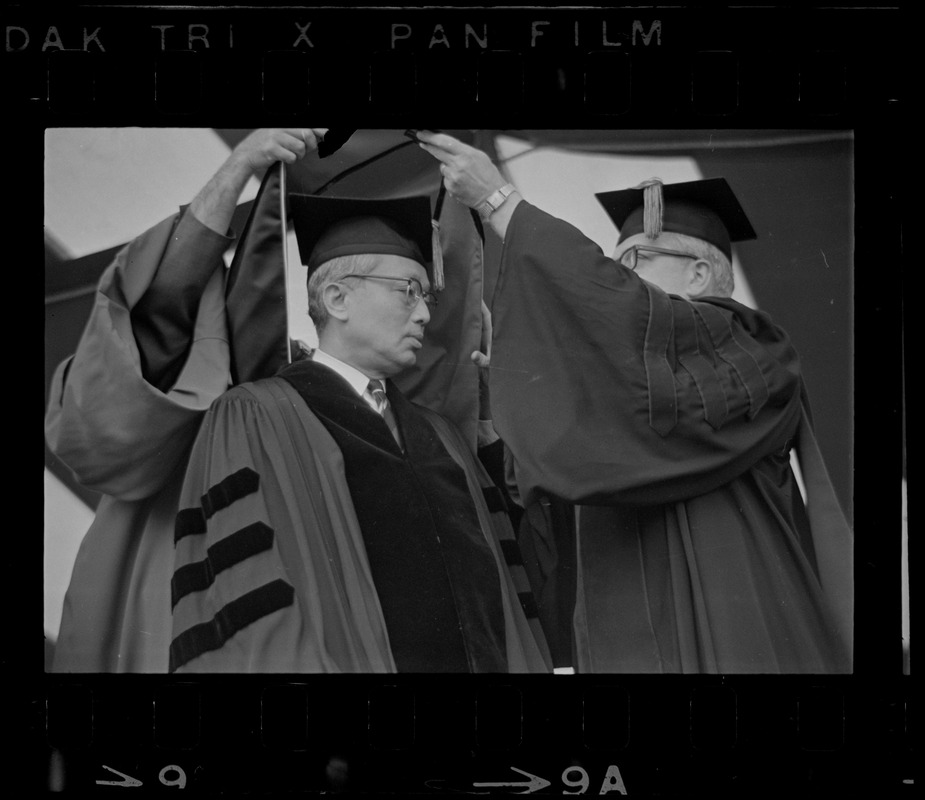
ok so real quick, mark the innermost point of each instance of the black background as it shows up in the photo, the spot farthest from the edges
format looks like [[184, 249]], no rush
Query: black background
[[842, 68]]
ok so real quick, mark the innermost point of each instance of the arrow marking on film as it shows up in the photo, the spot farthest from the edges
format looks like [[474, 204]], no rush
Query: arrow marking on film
[[127, 780], [534, 784]]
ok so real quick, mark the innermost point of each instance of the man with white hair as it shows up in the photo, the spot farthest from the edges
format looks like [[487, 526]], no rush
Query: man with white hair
[[635, 388]]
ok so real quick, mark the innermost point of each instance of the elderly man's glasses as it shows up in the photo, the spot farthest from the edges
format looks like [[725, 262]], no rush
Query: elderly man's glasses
[[412, 289], [630, 257]]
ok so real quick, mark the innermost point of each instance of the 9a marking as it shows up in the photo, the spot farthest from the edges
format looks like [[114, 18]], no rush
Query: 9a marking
[[613, 780], [575, 777]]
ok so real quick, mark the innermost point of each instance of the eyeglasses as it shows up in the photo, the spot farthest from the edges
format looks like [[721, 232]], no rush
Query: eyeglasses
[[412, 290], [630, 256]]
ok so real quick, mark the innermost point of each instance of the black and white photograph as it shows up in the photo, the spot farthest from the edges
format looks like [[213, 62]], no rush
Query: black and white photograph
[[591, 412], [557, 447]]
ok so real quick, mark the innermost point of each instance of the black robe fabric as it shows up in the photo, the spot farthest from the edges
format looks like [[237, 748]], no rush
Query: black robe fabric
[[123, 414], [669, 424], [434, 573], [294, 545]]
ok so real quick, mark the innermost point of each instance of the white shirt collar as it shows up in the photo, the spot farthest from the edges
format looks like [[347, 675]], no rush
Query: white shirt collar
[[352, 375]]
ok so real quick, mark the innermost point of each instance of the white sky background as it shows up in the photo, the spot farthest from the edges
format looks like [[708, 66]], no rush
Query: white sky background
[[105, 186]]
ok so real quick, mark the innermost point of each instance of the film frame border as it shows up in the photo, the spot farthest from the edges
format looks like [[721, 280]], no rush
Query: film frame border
[[845, 85]]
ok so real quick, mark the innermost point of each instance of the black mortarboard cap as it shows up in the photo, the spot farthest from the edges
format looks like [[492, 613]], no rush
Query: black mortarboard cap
[[328, 227], [707, 209]]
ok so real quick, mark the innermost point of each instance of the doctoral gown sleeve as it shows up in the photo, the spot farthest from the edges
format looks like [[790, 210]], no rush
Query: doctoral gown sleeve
[[163, 319], [270, 570], [120, 434], [608, 390]]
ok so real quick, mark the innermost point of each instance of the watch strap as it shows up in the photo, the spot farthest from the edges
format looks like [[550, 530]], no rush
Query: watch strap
[[493, 202]]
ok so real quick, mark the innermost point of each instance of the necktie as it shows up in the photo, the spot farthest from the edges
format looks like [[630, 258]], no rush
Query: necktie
[[377, 390]]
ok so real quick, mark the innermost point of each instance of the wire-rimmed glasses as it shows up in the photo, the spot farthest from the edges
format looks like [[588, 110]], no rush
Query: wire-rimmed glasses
[[414, 291], [630, 256]]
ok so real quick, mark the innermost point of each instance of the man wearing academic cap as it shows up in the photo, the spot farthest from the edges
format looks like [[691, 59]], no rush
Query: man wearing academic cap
[[171, 330], [636, 389], [326, 523]]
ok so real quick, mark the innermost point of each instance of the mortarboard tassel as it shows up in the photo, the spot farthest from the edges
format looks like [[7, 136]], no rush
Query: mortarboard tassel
[[653, 206], [439, 283]]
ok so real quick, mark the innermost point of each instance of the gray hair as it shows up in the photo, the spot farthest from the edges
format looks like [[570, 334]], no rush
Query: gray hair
[[331, 272], [720, 266]]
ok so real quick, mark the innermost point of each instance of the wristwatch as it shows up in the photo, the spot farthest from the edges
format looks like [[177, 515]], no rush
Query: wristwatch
[[493, 202]]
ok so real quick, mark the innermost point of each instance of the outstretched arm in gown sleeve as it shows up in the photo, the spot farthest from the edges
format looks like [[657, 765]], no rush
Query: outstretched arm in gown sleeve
[[154, 352], [163, 318], [605, 388]]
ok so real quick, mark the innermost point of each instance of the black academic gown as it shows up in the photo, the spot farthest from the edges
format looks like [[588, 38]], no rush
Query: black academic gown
[[308, 541], [420, 529], [669, 423]]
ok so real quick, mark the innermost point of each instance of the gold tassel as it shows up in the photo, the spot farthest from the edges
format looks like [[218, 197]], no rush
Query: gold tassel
[[439, 283], [653, 206]]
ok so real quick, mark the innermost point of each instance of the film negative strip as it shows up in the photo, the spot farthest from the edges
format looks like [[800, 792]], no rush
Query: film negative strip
[[132, 108]]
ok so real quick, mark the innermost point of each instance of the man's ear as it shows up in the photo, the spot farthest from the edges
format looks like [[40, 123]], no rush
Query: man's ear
[[335, 297], [701, 279]]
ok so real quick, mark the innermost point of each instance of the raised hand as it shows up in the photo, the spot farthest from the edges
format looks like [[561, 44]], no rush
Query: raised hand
[[214, 205], [265, 146], [469, 175]]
